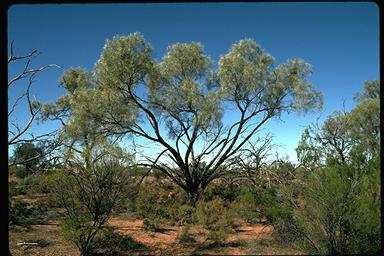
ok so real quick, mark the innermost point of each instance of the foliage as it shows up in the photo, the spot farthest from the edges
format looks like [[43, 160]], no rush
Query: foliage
[[18, 212], [246, 207], [184, 96], [215, 216], [227, 192], [89, 196], [185, 236], [162, 202], [17, 170], [14, 189], [114, 243], [371, 91], [81, 232], [341, 213], [345, 137], [28, 155], [47, 181], [23, 213], [81, 136]]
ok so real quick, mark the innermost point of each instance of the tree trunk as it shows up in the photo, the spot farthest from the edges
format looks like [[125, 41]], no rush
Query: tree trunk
[[193, 197]]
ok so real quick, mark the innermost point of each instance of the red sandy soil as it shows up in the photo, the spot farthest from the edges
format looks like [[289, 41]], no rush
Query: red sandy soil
[[247, 240]]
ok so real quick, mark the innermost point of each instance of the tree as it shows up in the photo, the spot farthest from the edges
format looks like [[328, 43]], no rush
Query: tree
[[185, 97], [15, 130], [29, 155], [343, 186], [80, 136], [344, 135], [94, 180]]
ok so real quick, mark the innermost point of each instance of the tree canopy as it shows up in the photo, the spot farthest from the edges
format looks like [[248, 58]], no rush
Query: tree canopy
[[179, 103]]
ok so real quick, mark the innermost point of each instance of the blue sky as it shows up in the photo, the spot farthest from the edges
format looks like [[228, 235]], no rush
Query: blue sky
[[340, 40]]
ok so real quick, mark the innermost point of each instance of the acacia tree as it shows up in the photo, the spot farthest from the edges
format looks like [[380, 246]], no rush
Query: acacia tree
[[344, 136], [342, 192], [179, 103], [94, 181], [80, 137], [29, 155]]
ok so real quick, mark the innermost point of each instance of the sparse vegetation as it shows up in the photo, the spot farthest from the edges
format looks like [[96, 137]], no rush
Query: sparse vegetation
[[209, 183]]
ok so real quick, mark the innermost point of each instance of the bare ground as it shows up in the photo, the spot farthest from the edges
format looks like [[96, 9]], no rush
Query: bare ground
[[247, 240]]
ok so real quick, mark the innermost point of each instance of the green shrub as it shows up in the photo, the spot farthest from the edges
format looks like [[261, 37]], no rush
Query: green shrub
[[14, 189], [341, 214], [19, 171], [19, 212], [152, 223], [46, 182], [218, 236], [245, 207], [89, 196], [185, 236], [113, 243], [162, 202], [215, 216], [150, 205], [227, 192], [80, 231], [185, 214], [31, 183]]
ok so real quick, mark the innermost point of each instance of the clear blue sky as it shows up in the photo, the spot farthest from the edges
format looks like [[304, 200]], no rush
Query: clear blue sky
[[340, 40]]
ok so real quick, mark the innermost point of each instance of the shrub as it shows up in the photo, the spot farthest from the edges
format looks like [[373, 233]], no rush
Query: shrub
[[214, 216], [185, 214], [47, 181], [14, 189], [31, 183], [80, 231], [89, 195], [23, 213], [150, 205], [341, 215], [161, 202], [227, 192], [114, 243], [185, 236], [19, 212], [245, 207], [152, 223], [18, 171]]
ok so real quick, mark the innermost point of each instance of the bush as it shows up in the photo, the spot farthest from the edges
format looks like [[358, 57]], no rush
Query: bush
[[185, 235], [19, 212], [18, 171], [341, 215], [80, 231], [185, 214], [150, 205], [23, 213], [14, 189], [46, 182], [31, 183], [89, 195], [162, 202], [114, 243], [227, 192], [214, 216], [245, 207]]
